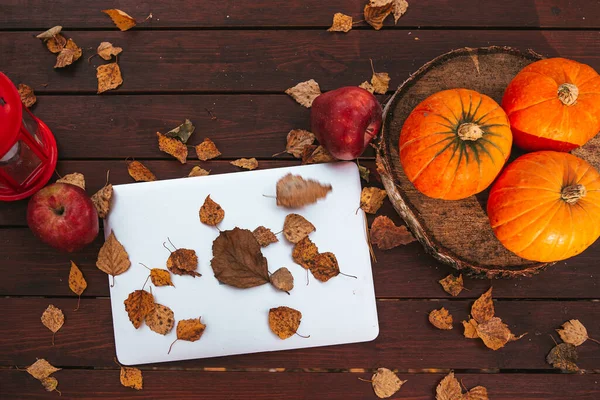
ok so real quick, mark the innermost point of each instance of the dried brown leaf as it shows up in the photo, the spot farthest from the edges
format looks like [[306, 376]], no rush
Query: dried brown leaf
[[172, 147], [364, 173], [160, 277], [477, 393], [470, 329], [367, 86], [198, 171], [304, 251], [113, 258], [483, 308], [109, 77], [183, 262], [122, 20], [207, 150], [564, 356], [237, 259], [324, 266], [305, 92], [282, 279], [264, 236], [132, 377], [56, 43], [50, 33], [341, 23], [375, 15], [448, 389], [211, 212], [77, 282], [386, 235], [399, 8], [27, 95], [68, 55], [139, 172], [293, 191], [297, 140], [319, 155], [189, 330], [41, 369], [75, 179], [50, 383], [495, 333], [106, 50], [380, 82], [182, 132], [296, 228], [386, 383], [371, 199], [284, 321], [53, 319], [452, 285], [161, 319], [138, 305], [102, 199], [246, 163], [573, 332], [441, 319]]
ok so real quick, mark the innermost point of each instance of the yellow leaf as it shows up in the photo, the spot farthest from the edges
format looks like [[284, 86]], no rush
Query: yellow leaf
[[318, 156], [324, 266], [41, 369], [56, 43], [50, 383], [297, 140], [574, 332], [470, 329], [189, 330], [138, 305], [304, 251], [68, 55], [140, 172], [386, 383], [441, 319], [367, 86], [377, 11], [284, 321], [305, 92], [398, 9], [27, 95], [160, 277], [341, 23], [371, 199], [77, 282], [113, 258], [122, 20], [53, 319], [448, 389], [75, 179], [477, 393], [494, 333], [106, 50], [483, 308], [198, 171], [452, 285], [211, 212], [173, 147], [132, 377], [246, 163], [207, 150], [109, 77]]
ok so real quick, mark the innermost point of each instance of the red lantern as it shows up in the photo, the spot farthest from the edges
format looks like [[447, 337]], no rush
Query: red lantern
[[27, 148]]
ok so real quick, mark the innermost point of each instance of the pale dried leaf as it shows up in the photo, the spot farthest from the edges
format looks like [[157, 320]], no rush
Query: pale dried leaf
[[27, 95], [380, 82], [50, 33], [112, 258], [75, 179], [367, 86], [296, 228], [246, 163], [50, 383], [386, 235], [131, 377], [386, 383], [573, 332], [173, 147], [282, 279], [183, 131], [102, 199], [109, 77], [441, 319], [68, 55], [198, 171], [318, 156], [297, 140], [264, 236], [106, 50], [341, 23], [41, 369], [160, 277], [448, 389], [293, 191], [452, 285], [122, 20], [470, 329], [161, 319], [399, 9], [483, 308], [494, 333], [305, 92], [53, 319], [139, 172], [211, 212], [371, 199], [207, 150], [284, 321]]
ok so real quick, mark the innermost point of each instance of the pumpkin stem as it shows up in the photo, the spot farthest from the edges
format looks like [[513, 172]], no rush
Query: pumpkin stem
[[568, 93], [469, 131], [571, 194]]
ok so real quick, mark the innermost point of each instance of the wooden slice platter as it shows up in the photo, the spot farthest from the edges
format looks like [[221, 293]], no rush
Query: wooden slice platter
[[457, 233]]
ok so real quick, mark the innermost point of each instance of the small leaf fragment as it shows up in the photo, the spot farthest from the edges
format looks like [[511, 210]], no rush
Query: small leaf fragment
[[371, 199], [207, 150], [448, 389], [50, 33], [106, 50], [284, 321], [264, 236], [53, 319], [364, 173], [399, 8], [483, 308], [77, 282], [563, 356], [138, 305], [161, 319], [376, 12], [282, 279], [293, 191], [380, 82], [139, 172], [109, 77], [319, 155], [41, 369], [297, 140], [172, 147], [27, 95], [112, 257], [304, 251], [477, 393], [198, 171], [189, 330], [56, 43], [386, 383], [452, 285], [341, 23], [160, 277], [386, 235], [441, 319], [122, 20], [305, 92], [246, 163], [182, 132], [573, 332], [296, 228], [367, 86], [132, 377], [183, 262], [75, 179], [494, 333], [470, 329], [50, 383], [102, 199], [324, 266], [211, 212]]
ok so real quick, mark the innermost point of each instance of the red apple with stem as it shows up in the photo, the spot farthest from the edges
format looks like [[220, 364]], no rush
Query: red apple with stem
[[345, 120], [63, 216]]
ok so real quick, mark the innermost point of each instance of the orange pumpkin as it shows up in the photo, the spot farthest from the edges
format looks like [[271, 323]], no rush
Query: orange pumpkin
[[454, 143], [553, 104], [546, 206]]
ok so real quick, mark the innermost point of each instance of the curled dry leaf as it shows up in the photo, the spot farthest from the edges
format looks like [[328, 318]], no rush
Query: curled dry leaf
[[182, 132], [198, 171], [470, 329], [138, 305], [50, 33], [41, 369], [139, 172], [282, 279], [284, 321], [305, 92], [246, 163], [364, 173], [27, 96], [304, 251], [56, 43], [573, 332], [319, 155], [264, 236], [296, 228], [106, 50], [386, 383], [189, 330], [160, 277], [183, 262], [367, 86], [207, 150], [341, 23], [452, 285], [494, 333], [101, 200], [448, 389], [441, 319], [386, 235], [371, 199], [53, 319], [297, 141], [563, 356], [293, 191], [113, 258], [324, 266], [75, 179], [122, 20], [132, 378], [377, 11], [399, 8], [161, 319], [109, 77], [172, 147], [77, 282], [50, 383], [237, 260], [211, 212], [483, 308], [477, 393], [68, 55]]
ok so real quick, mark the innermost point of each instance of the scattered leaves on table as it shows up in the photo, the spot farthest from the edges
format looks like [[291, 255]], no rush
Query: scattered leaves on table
[[113, 258], [386, 235], [75, 179], [53, 319], [483, 308], [207, 150], [341, 23], [380, 81], [297, 140], [574, 332], [324, 266], [198, 171], [305, 92], [237, 260], [56, 43], [160, 277], [27, 95], [386, 383], [563, 356], [452, 285], [132, 378], [293, 191], [189, 330], [173, 147], [106, 50], [304, 251], [211, 212], [41, 369], [246, 163], [109, 77], [77, 282], [68, 55], [183, 262], [122, 20], [101, 200], [319, 155], [50, 33], [182, 132], [160, 319], [448, 389], [364, 172], [296, 228], [50, 383], [264, 236], [371, 199], [441, 319], [139, 172], [377, 11], [138, 305], [367, 86], [284, 321], [282, 279], [470, 329]]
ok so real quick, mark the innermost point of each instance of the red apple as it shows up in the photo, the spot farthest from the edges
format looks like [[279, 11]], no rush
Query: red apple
[[63, 216], [345, 120]]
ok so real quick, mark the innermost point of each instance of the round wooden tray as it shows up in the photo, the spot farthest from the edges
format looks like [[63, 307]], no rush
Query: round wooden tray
[[457, 233]]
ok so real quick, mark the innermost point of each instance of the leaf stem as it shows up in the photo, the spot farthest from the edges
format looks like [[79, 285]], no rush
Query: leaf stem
[[78, 301], [145, 266], [349, 276], [365, 380], [594, 340], [171, 346], [302, 336]]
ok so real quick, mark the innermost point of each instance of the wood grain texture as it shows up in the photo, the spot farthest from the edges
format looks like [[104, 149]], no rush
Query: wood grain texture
[[103, 384], [406, 339], [295, 13], [258, 61]]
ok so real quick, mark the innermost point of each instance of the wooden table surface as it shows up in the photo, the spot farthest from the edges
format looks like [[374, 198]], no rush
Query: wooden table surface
[[236, 58]]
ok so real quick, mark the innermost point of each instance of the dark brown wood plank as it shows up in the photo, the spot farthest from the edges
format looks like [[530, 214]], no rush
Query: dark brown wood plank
[[406, 338], [271, 60], [103, 384], [314, 13]]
